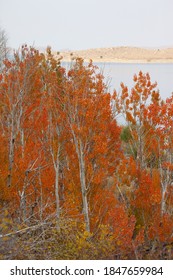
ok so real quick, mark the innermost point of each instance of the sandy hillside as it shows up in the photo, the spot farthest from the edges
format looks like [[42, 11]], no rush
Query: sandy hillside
[[121, 54]]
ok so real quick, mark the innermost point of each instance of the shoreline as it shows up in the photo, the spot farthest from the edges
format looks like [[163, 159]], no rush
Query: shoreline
[[119, 55], [170, 61]]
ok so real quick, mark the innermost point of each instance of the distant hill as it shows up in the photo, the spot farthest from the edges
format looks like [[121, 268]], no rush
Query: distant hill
[[121, 54]]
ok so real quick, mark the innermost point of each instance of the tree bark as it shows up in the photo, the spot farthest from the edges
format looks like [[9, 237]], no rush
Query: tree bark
[[83, 186]]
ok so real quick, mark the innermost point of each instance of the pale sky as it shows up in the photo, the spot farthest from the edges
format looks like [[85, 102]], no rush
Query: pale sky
[[82, 24]]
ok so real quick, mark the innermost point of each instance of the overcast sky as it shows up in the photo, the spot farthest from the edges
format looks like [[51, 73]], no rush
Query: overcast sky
[[82, 24]]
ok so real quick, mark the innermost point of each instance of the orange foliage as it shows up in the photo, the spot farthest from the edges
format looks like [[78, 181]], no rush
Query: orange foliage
[[59, 131]]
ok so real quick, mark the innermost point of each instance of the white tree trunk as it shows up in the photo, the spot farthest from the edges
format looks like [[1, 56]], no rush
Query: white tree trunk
[[11, 152], [82, 171], [57, 197]]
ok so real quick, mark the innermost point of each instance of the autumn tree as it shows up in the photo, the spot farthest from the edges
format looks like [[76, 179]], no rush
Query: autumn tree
[[3, 47], [165, 151], [89, 119], [20, 96], [133, 105], [55, 130], [147, 139], [70, 175]]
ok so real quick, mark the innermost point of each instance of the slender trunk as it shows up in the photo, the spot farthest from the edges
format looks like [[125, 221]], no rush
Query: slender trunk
[[22, 195], [57, 197], [41, 202], [163, 185], [163, 202], [83, 188], [80, 154], [22, 141], [140, 151], [23, 205], [11, 159], [56, 163]]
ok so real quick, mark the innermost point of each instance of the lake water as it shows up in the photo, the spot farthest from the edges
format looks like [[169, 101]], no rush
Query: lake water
[[115, 73], [162, 73]]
